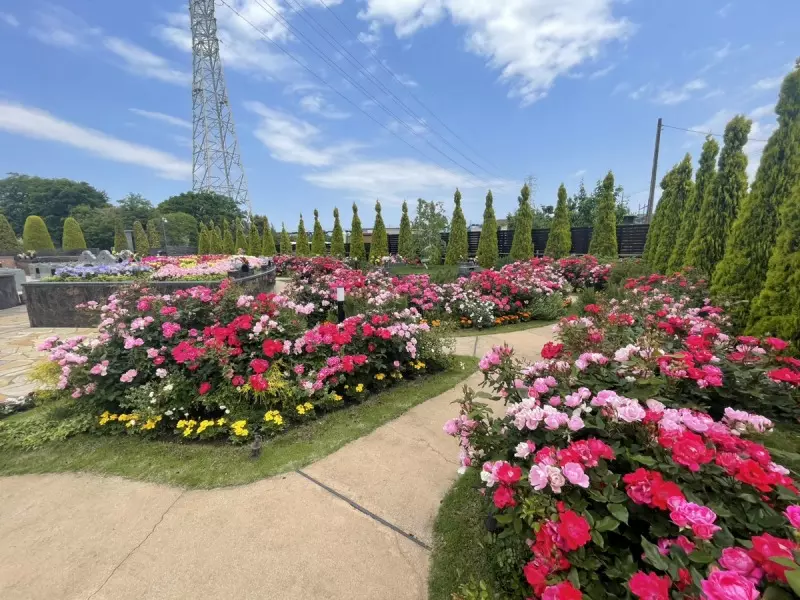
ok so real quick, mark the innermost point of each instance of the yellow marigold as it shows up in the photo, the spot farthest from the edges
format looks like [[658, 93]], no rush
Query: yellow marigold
[[222, 421], [301, 410], [436, 323], [151, 423], [273, 416], [308, 406], [337, 398], [380, 376], [239, 428], [360, 388]]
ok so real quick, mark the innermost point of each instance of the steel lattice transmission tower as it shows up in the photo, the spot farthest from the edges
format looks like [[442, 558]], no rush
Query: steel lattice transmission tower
[[216, 162]]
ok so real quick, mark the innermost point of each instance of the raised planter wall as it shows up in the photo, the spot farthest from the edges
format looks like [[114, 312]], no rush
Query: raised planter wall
[[52, 303]]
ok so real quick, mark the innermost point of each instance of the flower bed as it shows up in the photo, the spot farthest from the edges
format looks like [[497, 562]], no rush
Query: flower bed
[[605, 478], [202, 363]]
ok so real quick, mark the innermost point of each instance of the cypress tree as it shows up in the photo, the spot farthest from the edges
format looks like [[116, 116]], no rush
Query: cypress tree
[[286, 241], [604, 233], [522, 243], [35, 235], [337, 238], [120, 239], [488, 253], [654, 231], [240, 242], [719, 211], [302, 240], [9, 244], [152, 234], [559, 242], [253, 240], [318, 237], [357, 249], [227, 238], [704, 185], [268, 247], [217, 243], [776, 310], [457, 244], [682, 192], [72, 235], [405, 242], [380, 241], [141, 244], [203, 240], [740, 275]]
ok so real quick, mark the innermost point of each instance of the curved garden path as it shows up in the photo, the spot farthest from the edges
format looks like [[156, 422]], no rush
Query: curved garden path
[[354, 525]]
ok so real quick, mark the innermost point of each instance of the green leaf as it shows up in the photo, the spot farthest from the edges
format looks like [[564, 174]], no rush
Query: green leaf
[[785, 561], [645, 460], [701, 557], [793, 579], [607, 524], [597, 538], [773, 592], [653, 556], [619, 512]]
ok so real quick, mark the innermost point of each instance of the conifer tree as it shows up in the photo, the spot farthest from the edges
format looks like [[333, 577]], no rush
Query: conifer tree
[[152, 234], [559, 241], [380, 241], [682, 192], [203, 240], [318, 238], [405, 241], [654, 231], [720, 208], [604, 232], [227, 238], [704, 185], [120, 239], [9, 244], [488, 252], [337, 237], [141, 245], [740, 275], [240, 242], [286, 241], [458, 244], [72, 235], [268, 246], [217, 243], [35, 235], [357, 249], [253, 240], [522, 243], [301, 242]]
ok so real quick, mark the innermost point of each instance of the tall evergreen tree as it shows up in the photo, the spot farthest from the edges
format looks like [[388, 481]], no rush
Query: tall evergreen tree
[[379, 247], [253, 240], [152, 234], [286, 241], [682, 193], [777, 308], [337, 237], [654, 231], [357, 249], [720, 208], [228, 245], [203, 240], [120, 239], [522, 243], [488, 252], [318, 238], [604, 232], [268, 246], [240, 242], [217, 243], [704, 185], [9, 244], [559, 242], [301, 242], [740, 275], [141, 244], [72, 235], [405, 242], [457, 244]]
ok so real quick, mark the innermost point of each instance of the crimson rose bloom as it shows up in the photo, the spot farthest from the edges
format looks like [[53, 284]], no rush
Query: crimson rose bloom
[[205, 387], [563, 591], [768, 546], [504, 497], [574, 530], [552, 350], [649, 586], [259, 365], [535, 575], [508, 474], [753, 473], [690, 450], [663, 491]]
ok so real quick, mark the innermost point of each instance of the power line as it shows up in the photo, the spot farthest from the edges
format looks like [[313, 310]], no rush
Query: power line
[[325, 82], [410, 93], [278, 17], [719, 135]]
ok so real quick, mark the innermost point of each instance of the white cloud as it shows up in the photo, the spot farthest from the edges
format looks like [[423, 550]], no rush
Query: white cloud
[[531, 42], [157, 116], [406, 80], [144, 63], [57, 26], [670, 96], [602, 72], [768, 83], [317, 105], [372, 36], [9, 19], [767, 110], [41, 125], [579, 173], [621, 87], [640, 91]]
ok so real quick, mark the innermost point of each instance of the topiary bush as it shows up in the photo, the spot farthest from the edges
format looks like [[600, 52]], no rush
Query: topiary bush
[[203, 240], [9, 244], [357, 249], [141, 243], [286, 241], [268, 248], [254, 244], [672, 212], [301, 243], [240, 241], [35, 235], [152, 234], [522, 243], [72, 235]]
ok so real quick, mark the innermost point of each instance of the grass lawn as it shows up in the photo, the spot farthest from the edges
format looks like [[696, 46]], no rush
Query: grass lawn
[[438, 273], [457, 536], [500, 329], [196, 465]]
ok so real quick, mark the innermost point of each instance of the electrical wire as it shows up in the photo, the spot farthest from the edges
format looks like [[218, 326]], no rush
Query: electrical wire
[[719, 135]]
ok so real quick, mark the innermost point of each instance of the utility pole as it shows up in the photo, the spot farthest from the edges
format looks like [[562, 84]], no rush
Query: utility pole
[[650, 200]]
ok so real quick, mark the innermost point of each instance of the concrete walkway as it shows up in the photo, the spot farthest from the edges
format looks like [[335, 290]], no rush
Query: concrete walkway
[[355, 525]]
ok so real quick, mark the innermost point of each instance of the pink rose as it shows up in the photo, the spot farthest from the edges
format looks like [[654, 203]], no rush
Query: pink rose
[[575, 474], [575, 423], [728, 585], [737, 559], [452, 427], [793, 514], [538, 477]]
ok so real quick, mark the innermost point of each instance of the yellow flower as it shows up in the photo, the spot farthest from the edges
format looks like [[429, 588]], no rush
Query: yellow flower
[[221, 421], [436, 323], [308, 406], [204, 424], [151, 423], [300, 409], [337, 398], [380, 376], [239, 428], [106, 417], [273, 416], [360, 388]]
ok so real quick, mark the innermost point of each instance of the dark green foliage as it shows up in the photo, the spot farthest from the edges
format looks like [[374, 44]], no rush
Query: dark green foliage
[[253, 240], [357, 249], [672, 210], [457, 244], [203, 240], [135, 207], [379, 247], [405, 242], [302, 240], [240, 243], [203, 206], [740, 275], [35, 235], [216, 244], [720, 208], [181, 229], [522, 243], [654, 231], [268, 246], [120, 239], [488, 252], [141, 245], [704, 185], [152, 235], [228, 245], [429, 222], [585, 207], [777, 309], [9, 244], [604, 234], [337, 238], [318, 238], [559, 241], [72, 236], [286, 241]]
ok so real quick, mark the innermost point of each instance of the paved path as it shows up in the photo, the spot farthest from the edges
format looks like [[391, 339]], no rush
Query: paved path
[[355, 525]]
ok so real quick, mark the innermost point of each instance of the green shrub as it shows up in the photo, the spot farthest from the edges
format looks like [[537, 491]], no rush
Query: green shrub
[[337, 238], [35, 235], [268, 249], [140, 241], [380, 241], [240, 243], [522, 243], [357, 249], [301, 243], [227, 238], [488, 252], [318, 237], [253, 240], [72, 235], [9, 244], [604, 233], [457, 244], [405, 241], [203, 240], [152, 234], [559, 242], [286, 241]]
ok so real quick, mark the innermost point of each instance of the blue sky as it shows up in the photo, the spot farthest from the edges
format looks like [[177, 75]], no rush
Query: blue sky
[[556, 89]]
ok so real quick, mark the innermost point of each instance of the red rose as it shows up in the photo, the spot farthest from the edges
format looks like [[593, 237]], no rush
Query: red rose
[[259, 365], [237, 380], [535, 575], [574, 530], [271, 347], [663, 491], [690, 450], [592, 308], [504, 497], [752, 473], [258, 383], [786, 375], [777, 343], [649, 586], [563, 591], [508, 474], [205, 387], [767, 546], [552, 350]]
